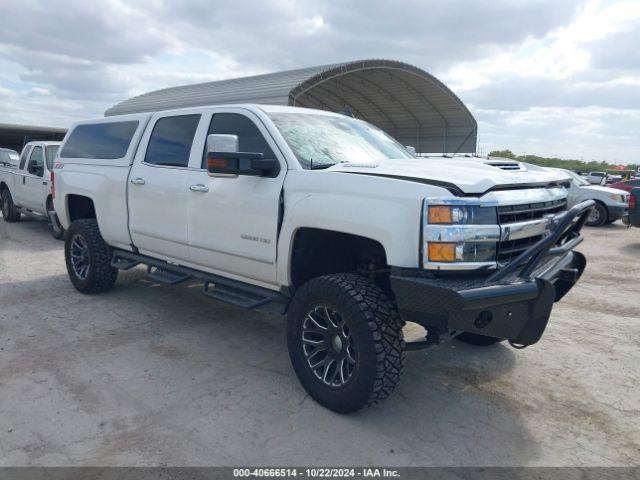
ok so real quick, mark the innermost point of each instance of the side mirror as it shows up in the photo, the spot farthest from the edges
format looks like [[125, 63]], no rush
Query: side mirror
[[223, 157], [411, 150], [35, 169]]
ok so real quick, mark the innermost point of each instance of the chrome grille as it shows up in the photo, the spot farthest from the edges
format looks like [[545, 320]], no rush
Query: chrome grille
[[532, 215], [530, 211], [510, 249]]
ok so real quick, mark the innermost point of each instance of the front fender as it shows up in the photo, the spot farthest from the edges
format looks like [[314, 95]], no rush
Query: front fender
[[385, 210]]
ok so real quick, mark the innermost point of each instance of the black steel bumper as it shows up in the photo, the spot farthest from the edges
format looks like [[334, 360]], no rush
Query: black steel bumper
[[513, 303]]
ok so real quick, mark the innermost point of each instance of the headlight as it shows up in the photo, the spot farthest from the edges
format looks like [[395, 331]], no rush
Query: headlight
[[459, 233], [617, 197], [460, 215]]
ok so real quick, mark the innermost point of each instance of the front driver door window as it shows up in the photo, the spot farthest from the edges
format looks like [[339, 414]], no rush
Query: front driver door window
[[31, 195], [36, 162]]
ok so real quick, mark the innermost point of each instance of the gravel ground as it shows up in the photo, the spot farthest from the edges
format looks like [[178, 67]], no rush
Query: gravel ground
[[155, 375]]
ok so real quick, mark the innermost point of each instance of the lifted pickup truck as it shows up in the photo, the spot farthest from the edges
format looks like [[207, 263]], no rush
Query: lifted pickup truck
[[325, 218], [26, 187]]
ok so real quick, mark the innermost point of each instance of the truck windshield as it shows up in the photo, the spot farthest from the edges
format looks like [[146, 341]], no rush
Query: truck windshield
[[51, 154], [320, 141]]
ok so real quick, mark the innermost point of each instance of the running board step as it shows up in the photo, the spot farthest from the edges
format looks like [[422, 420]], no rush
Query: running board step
[[123, 263], [165, 275], [236, 296], [215, 286]]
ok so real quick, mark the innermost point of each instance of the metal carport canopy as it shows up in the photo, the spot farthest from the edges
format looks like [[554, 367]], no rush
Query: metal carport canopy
[[408, 103]]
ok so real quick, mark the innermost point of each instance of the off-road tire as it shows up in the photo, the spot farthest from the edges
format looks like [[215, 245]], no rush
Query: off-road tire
[[101, 275], [9, 211], [602, 216], [55, 228], [478, 340], [376, 329]]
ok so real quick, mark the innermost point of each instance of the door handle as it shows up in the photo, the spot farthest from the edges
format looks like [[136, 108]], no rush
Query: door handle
[[199, 188], [138, 181]]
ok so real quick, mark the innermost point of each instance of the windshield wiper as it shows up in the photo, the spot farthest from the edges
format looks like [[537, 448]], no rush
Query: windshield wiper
[[319, 166]]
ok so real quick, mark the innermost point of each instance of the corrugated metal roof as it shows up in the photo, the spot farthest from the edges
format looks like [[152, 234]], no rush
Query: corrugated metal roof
[[405, 101], [11, 127]]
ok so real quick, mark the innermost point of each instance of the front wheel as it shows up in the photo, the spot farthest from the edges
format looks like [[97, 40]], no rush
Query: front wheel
[[10, 212], [597, 216], [88, 258], [345, 341]]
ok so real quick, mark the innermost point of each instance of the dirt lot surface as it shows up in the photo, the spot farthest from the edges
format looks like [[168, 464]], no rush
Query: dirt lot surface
[[157, 375]]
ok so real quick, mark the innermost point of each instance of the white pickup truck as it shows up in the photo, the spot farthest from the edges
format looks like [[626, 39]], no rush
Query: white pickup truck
[[8, 157], [26, 187], [325, 218]]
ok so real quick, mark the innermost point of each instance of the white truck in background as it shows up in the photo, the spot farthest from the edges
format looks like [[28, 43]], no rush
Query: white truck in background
[[325, 218], [597, 178], [8, 157], [27, 186]]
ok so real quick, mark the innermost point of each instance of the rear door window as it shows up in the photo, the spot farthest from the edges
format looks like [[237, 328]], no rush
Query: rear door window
[[103, 141], [171, 140]]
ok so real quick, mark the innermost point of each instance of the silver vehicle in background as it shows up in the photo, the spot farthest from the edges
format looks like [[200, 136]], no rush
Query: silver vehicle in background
[[611, 203]]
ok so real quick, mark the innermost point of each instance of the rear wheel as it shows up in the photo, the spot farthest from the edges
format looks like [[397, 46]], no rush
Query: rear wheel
[[88, 258], [10, 212], [345, 341], [478, 340], [597, 216]]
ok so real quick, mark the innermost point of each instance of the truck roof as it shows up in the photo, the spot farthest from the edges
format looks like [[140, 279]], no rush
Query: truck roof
[[46, 143], [249, 106]]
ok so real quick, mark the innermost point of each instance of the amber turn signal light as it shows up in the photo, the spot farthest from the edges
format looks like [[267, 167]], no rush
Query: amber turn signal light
[[439, 214], [442, 252], [217, 162]]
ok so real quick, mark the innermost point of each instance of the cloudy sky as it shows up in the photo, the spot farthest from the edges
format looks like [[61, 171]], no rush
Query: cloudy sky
[[551, 77]]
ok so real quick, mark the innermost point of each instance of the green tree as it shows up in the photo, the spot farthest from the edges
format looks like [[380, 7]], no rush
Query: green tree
[[503, 154]]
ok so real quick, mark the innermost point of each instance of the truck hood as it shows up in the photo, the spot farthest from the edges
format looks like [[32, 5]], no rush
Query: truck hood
[[470, 175], [606, 190]]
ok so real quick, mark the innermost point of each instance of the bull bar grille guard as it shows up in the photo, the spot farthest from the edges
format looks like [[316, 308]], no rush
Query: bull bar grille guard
[[563, 237]]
